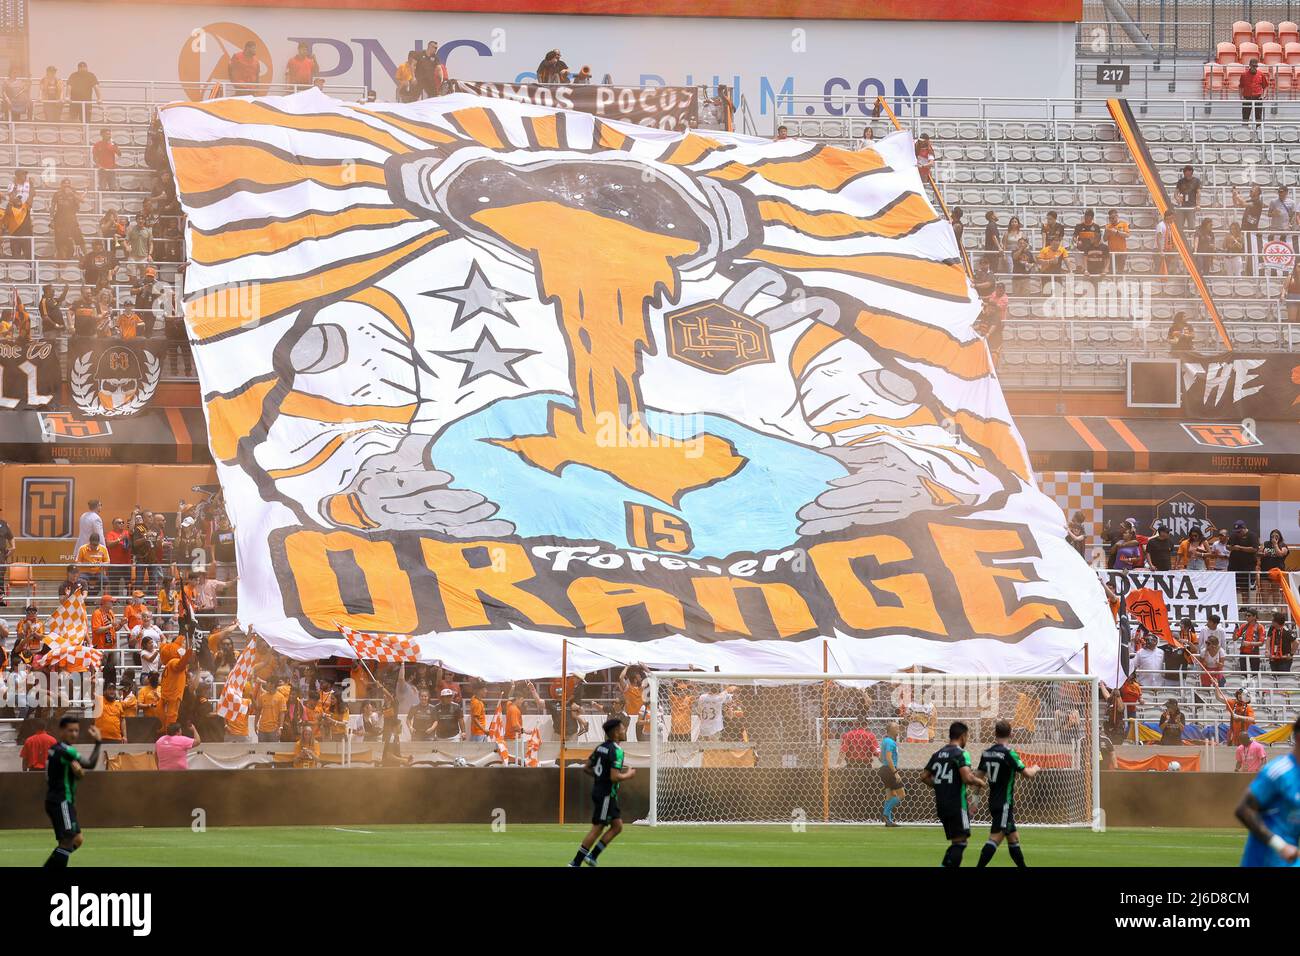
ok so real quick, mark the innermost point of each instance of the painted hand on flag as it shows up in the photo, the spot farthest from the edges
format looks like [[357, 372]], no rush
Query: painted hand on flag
[[404, 491]]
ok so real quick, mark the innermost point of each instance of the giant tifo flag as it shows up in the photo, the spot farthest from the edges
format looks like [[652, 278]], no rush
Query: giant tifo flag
[[486, 374]]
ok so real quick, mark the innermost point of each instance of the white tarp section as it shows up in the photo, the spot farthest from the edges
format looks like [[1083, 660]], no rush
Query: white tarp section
[[490, 375]]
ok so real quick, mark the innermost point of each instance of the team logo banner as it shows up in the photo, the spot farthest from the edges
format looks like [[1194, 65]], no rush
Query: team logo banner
[[29, 375], [113, 379], [482, 374], [665, 107]]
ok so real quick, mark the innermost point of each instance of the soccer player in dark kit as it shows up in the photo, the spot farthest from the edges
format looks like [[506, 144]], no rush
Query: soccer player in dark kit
[[949, 773], [64, 768], [999, 766], [606, 765]]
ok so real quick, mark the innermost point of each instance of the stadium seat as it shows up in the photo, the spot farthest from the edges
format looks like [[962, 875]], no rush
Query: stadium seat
[[1232, 77], [1247, 51], [1288, 32], [1271, 53], [1292, 52], [1284, 78], [1242, 31], [1265, 32], [21, 576], [1213, 82], [1226, 53]]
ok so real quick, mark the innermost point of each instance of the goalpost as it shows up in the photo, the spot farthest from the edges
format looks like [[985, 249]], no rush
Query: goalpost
[[793, 748]]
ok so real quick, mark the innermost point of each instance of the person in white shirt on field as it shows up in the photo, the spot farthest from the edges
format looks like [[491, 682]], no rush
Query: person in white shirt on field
[[710, 709]]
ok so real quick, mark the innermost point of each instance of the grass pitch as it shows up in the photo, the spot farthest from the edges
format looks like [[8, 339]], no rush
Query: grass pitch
[[536, 845]]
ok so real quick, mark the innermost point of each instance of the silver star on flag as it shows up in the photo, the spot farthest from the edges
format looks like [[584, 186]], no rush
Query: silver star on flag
[[488, 358], [476, 295]]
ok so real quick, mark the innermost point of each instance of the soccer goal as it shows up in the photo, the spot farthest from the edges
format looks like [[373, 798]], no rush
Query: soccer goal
[[805, 748]]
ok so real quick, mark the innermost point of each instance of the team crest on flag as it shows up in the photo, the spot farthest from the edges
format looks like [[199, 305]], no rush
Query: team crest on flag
[[481, 374]]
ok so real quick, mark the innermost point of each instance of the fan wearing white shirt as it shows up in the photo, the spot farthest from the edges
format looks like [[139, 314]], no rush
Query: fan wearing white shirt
[[145, 628], [89, 523], [920, 723], [710, 708], [1150, 663], [1212, 629]]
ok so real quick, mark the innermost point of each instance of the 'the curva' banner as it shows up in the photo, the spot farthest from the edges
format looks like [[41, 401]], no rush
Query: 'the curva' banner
[[665, 107], [488, 374]]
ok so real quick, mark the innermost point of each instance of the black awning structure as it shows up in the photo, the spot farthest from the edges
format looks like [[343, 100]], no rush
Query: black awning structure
[[1096, 443], [156, 435]]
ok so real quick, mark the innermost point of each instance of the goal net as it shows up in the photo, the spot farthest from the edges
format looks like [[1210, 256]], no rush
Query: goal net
[[807, 748]]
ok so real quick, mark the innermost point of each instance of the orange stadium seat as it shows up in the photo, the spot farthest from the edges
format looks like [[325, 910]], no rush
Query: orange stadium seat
[[21, 576], [1284, 80], [1288, 32], [1265, 32], [1247, 50], [1227, 53], [1293, 52], [1232, 77], [1242, 32], [1213, 81], [1272, 54]]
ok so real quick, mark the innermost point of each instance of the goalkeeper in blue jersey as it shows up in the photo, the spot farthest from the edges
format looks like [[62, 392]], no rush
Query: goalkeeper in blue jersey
[[1270, 810]]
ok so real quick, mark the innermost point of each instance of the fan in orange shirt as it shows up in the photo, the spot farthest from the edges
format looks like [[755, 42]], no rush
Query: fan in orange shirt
[[630, 683], [149, 699], [103, 624], [270, 713], [134, 611], [174, 656], [130, 706], [237, 726], [306, 752], [514, 715], [112, 728], [477, 715]]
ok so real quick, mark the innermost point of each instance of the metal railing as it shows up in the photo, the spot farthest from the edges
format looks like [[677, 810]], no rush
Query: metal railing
[[1110, 41]]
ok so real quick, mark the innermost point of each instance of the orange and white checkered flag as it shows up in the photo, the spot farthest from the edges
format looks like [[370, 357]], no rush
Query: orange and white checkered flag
[[68, 633], [534, 748], [69, 620], [385, 648], [232, 702], [494, 732]]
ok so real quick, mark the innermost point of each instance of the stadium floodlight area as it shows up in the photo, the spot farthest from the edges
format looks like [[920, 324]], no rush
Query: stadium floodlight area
[[752, 748]]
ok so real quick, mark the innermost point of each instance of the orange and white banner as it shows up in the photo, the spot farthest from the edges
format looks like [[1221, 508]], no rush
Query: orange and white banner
[[485, 375]]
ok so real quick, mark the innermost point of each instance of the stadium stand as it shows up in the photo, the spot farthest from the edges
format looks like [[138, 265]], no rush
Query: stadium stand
[[1018, 160]]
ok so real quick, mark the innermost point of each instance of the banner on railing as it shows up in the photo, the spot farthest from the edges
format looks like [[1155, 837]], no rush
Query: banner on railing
[[113, 379], [664, 107], [1242, 386], [29, 375], [1193, 594]]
